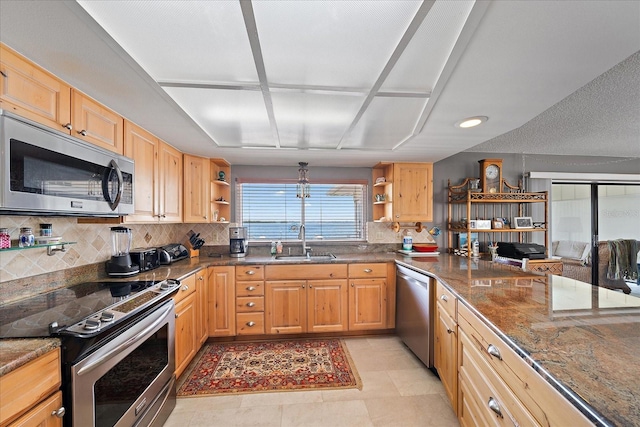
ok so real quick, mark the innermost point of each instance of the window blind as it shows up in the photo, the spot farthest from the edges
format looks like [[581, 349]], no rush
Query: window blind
[[272, 211]]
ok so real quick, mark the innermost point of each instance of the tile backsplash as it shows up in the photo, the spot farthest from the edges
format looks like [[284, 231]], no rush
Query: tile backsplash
[[93, 242]]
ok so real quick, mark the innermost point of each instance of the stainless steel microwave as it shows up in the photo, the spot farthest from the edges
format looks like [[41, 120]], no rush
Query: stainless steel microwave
[[45, 172]]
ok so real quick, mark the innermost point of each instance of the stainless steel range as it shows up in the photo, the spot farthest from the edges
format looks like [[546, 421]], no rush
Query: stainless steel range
[[118, 348]]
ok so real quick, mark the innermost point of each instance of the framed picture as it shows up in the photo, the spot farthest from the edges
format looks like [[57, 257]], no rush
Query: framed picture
[[497, 223], [523, 222], [473, 224], [483, 224]]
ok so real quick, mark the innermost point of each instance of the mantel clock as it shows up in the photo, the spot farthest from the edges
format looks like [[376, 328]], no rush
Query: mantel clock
[[491, 175]]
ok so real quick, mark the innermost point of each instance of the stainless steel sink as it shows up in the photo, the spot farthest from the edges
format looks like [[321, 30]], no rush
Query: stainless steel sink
[[312, 257]]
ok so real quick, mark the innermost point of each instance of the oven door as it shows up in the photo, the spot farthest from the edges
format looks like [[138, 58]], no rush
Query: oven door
[[131, 375]]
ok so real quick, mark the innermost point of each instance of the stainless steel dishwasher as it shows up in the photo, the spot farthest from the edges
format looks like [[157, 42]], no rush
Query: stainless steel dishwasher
[[413, 318]]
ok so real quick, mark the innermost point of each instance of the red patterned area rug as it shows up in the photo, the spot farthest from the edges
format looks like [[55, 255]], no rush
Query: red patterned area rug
[[241, 367]]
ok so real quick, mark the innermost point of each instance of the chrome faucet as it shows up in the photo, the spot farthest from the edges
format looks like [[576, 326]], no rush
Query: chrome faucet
[[302, 235]]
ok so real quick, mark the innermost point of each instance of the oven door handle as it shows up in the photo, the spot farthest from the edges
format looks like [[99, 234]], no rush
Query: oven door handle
[[106, 352]]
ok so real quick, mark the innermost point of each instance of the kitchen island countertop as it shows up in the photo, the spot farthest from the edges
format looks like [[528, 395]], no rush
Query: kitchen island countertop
[[583, 339]]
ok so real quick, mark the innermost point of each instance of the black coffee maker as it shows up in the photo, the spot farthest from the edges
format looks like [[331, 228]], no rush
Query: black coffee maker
[[120, 264], [238, 243]]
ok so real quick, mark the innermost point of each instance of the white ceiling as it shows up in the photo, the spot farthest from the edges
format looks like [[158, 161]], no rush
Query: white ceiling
[[350, 83]]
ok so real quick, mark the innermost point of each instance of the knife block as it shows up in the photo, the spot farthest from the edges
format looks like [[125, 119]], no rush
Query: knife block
[[192, 252]]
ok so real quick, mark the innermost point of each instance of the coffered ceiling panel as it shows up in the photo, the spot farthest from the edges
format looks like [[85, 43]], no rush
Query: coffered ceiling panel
[[181, 41], [421, 63], [230, 117], [387, 121], [315, 42], [314, 120]]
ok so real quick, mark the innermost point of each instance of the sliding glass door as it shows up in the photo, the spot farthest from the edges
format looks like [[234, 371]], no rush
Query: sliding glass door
[[588, 216]]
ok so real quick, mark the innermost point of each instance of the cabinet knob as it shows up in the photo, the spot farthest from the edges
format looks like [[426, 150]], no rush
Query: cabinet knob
[[201, 278], [251, 304], [67, 126], [82, 132], [449, 331], [368, 270], [185, 288], [59, 412], [495, 407], [251, 324], [251, 288], [250, 272], [444, 298], [352, 285], [493, 350], [302, 286], [310, 286]]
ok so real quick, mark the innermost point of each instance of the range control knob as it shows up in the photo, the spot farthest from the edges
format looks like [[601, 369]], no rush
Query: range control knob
[[107, 316], [91, 325]]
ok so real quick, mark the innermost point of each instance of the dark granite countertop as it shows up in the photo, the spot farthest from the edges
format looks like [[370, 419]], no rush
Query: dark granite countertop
[[584, 340], [18, 352]]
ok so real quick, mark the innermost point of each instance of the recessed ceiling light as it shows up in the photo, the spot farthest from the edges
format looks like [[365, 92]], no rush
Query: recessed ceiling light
[[471, 122]]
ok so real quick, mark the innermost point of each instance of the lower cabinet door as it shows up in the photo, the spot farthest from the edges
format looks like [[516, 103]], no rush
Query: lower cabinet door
[[446, 352], [285, 306], [327, 305], [367, 304], [47, 414], [186, 347]]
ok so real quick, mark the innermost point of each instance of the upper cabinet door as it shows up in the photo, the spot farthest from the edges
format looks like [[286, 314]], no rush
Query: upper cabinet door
[[170, 190], [29, 91], [96, 124], [412, 192], [143, 148], [197, 183]]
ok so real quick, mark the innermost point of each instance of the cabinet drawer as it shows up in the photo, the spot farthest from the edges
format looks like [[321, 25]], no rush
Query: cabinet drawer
[[546, 404], [487, 390], [446, 299], [43, 415], [23, 388], [547, 267], [249, 304], [187, 287], [250, 272], [246, 289], [362, 271], [250, 323], [306, 271]]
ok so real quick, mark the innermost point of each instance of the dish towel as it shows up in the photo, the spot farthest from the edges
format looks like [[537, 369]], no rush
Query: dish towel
[[622, 259]]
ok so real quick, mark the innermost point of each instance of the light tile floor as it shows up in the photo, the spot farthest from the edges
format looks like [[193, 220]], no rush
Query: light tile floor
[[397, 391]]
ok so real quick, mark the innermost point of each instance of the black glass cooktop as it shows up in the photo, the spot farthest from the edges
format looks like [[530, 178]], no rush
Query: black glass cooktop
[[31, 317]]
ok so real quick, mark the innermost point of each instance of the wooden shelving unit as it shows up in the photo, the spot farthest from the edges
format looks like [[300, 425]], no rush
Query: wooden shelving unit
[[220, 191], [465, 204]]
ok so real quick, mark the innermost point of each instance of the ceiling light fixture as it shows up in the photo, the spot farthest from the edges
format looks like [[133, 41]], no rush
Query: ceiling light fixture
[[471, 122]]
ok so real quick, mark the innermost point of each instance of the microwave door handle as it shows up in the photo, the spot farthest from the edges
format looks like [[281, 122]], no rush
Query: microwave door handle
[[113, 167]]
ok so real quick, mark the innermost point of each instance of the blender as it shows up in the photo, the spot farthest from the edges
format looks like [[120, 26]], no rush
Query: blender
[[120, 264]]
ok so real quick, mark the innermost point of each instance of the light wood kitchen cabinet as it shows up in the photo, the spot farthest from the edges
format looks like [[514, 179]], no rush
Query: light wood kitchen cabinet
[[489, 369], [405, 195], [368, 296], [170, 178], [197, 183], [186, 310], [28, 390], [158, 177], [285, 306], [446, 342], [31, 92], [94, 123], [250, 300], [220, 196], [222, 299], [307, 298], [202, 304], [46, 414]]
